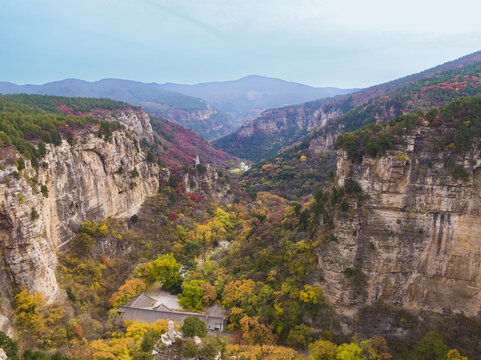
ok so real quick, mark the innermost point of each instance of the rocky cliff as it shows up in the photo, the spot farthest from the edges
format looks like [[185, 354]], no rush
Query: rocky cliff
[[209, 183], [87, 178], [415, 240]]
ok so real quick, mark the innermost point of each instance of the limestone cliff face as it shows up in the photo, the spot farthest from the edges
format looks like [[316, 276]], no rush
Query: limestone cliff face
[[90, 179], [416, 241], [209, 184], [135, 120], [295, 118]]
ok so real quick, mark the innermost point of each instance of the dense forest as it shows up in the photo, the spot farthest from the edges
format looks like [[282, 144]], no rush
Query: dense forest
[[265, 273], [29, 122]]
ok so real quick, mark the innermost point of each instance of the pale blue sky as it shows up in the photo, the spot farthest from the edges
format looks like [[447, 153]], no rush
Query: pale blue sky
[[345, 43]]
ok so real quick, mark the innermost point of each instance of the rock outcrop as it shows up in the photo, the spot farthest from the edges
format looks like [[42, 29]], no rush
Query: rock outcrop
[[207, 182], [416, 240], [39, 213], [136, 120]]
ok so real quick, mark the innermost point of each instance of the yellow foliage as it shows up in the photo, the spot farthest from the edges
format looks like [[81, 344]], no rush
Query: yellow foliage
[[455, 355], [264, 352], [254, 332], [137, 329], [402, 157], [311, 294], [114, 348], [103, 229], [239, 292], [303, 158], [322, 350]]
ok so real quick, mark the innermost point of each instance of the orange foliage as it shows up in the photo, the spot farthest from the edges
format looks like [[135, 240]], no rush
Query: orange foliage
[[127, 291]]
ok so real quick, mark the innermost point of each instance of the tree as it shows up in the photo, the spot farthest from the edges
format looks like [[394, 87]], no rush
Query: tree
[[211, 347], [299, 336], [9, 346], [166, 270], [148, 341], [193, 326], [349, 352], [323, 350], [192, 294], [253, 332], [209, 294], [127, 291], [431, 347], [150, 157], [189, 350]]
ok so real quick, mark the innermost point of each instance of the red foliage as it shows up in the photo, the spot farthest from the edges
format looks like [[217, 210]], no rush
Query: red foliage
[[66, 109], [195, 198], [173, 215], [77, 330]]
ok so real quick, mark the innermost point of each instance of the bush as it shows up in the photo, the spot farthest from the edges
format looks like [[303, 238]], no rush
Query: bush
[[193, 326], [459, 172], [299, 337], [44, 191], [149, 340], [211, 347], [189, 349], [431, 346], [202, 169], [352, 187], [9, 346], [134, 173]]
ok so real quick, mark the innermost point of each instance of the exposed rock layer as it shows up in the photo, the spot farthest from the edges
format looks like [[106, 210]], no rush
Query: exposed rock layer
[[91, 179], [416, 240]]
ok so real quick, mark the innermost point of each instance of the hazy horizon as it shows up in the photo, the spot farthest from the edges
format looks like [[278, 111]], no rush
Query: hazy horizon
[[346, 44]]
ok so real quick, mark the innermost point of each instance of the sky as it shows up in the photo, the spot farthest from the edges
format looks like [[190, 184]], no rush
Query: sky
[[343, 43]]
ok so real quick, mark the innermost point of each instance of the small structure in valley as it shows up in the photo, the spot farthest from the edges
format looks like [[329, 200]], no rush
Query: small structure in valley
[[148, 309]]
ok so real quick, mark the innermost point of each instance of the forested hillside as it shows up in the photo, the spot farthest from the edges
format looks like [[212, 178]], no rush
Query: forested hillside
[[267, 260], [279, 128], [432, 88]]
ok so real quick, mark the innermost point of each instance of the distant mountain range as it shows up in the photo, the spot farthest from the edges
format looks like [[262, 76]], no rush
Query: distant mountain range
[[276, 129], [193, 113], [211, 109], [247, 97]]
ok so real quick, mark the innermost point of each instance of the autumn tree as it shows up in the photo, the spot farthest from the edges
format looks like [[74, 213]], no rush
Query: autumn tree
[[127, 291], [254, 332], [323, 350], [166, 270]]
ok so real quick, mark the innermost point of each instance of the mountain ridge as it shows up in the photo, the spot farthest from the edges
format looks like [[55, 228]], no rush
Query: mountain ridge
[[245, 98], [282, 127], [193, 113]]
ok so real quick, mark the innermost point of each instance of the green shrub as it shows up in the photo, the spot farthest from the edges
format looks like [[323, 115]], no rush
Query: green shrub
[[193, 326], [44, 191], [299, 337], [9, 346], [189, 350]]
